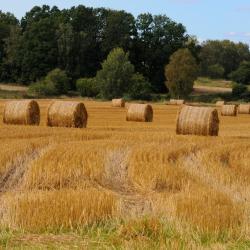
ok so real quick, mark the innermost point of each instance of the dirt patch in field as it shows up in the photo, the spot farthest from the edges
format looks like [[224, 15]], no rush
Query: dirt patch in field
[[9, 87], [211, 90]]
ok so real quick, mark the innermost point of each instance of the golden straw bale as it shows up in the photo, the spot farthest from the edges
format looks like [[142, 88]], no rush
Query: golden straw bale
[[173, 101], [229, 110], [140, 113], [22, 112], [180, 102], [219, 103], [127, 104], [118, 103], [244, 109], [176, 102], [67, 114], [198, 121]]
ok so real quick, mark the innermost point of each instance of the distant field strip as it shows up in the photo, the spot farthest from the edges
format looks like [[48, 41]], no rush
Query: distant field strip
[[211, 90], [9, 87]]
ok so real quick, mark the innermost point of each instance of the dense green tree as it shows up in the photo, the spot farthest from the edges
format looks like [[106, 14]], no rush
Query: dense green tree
[[116, 29], [114, 78], [181, 73], [8, 23], [194, 47], [140, 88], [65, 43], [38, 52], [216, 71], [242, 74], [158, 38], [239, 90], [10, 69], [225, 53], [87, 87], [84, 43]]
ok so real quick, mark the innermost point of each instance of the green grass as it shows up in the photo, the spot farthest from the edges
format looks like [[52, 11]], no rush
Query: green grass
[[136, 234], [202, 81]]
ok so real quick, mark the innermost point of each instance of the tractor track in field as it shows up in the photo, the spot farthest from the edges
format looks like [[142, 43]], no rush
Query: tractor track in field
[[116, 179], [12, 179]]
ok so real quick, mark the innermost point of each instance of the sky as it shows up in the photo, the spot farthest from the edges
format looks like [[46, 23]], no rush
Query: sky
[[206, 19]]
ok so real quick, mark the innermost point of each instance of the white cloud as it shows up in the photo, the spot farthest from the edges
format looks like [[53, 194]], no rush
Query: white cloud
[[237, 34], [232, 33], [247, 34]]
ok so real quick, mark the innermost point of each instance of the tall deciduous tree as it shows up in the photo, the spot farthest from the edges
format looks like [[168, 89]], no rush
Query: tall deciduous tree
[[225, 53], [158, 38], [114, 78], [181, 73], [8, 23], [38, 51], [242, 74]]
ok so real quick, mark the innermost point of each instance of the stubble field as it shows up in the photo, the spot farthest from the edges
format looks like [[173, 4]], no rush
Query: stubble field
[[121, 184]]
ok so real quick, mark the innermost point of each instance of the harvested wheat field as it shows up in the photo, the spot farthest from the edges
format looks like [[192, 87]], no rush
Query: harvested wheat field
[[124, 185]]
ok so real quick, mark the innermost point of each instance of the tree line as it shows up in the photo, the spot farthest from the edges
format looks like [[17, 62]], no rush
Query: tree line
[[79, 39]]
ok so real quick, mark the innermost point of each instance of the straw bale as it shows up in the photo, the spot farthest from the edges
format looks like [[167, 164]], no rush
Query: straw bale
[[198, 121], [21, 112], [120, 103], [229, 110], [176, 102], [219, 103], [67, 114], [140, 113], [244, 109]]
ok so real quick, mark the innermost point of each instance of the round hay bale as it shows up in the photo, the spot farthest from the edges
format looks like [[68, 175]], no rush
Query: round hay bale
[[219, 103], [244, 109], [22, 112], [140, 113], [173, 101], [176, 102], [197, 121], [127, 104], [229, 110], [180, 102], [119, 103], [67, 114]]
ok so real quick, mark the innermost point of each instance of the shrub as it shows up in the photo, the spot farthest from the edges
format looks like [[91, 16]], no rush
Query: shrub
[[239, 90], [87, 87], [59, 79], [55, 83], [140, 88], [42, 89], [216, 71], [114, 78]]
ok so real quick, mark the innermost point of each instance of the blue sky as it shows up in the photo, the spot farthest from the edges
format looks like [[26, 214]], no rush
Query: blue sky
[[206, 19]]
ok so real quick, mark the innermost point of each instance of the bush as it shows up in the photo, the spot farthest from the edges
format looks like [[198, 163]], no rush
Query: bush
[[42, 89], [239, 90], [114, 78], [242, 74], [216, 71], [59, 79], [140, 88], [55, 83], [87, 87]]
